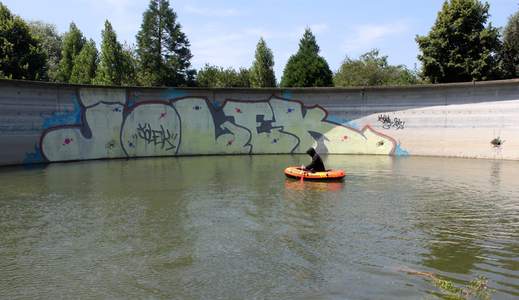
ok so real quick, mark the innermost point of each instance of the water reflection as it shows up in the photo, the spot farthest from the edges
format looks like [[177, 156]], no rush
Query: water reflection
[[495, 175], [236, 228], [463, 209], [297, 185]]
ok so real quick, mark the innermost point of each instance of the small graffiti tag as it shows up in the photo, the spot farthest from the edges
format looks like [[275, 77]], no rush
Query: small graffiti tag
[[387, 123], [161, 137]]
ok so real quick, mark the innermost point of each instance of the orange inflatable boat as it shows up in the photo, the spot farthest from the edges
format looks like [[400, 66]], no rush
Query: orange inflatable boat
[[330, 175]]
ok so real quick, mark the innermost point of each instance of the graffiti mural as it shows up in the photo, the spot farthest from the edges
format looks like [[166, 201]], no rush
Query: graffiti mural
[[110, 126]]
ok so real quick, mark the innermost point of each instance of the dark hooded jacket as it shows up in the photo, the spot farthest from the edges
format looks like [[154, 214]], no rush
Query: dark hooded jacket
[[317, 164]]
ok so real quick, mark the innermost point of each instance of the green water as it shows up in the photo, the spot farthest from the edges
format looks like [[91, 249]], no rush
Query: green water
[[235, 228]]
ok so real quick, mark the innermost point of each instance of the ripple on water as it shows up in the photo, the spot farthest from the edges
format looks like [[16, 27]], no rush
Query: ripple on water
[[159, 228]]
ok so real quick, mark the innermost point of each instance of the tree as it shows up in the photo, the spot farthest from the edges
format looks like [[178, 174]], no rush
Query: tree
[[243, 78], [73, 42], [112, 62], [306, 68], [214, 76], [162, 48], [459, 46], [21, 55], [208, 76], [85, 64], [262, 70], [371, 69], [50, 41], [129, 66], [510, 52]]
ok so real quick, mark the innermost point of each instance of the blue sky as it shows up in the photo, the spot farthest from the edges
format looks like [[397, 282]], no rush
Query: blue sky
[[225, 33]]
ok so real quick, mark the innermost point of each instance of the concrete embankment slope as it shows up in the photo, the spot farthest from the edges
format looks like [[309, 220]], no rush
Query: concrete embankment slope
[[44, 122]]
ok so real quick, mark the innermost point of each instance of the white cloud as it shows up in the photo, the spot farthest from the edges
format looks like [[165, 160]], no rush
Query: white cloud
[[227, 50], [207, 12], [125, 16], [367, 36], [230, 47]]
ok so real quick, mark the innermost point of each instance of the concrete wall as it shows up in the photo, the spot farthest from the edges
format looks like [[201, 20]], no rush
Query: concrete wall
[[42, 122]]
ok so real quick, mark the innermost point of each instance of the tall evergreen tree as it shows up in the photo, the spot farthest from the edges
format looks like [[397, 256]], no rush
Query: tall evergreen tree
[[162, 48], [262, 70], [510, 52], [50, 41], [459, 46], [73, 42], [85, 64], [306, 68], [111, 64], [21, 55]]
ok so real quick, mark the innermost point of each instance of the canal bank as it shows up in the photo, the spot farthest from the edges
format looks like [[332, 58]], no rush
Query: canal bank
[[47, 122]]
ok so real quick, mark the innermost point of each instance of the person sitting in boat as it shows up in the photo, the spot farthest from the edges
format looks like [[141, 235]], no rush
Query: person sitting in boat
[[317, 163]]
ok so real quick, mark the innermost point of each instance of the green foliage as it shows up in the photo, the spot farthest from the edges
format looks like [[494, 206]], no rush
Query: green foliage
[[306, 68], [262, 70], [213, 76], [459, 46], [162, 48], [371, 69], [85, 64], [112, 62], [50, 41], [242, 78], [208, 76], [447, 286], [73, 42], [21, 55], [477, 288], [510, 52], [129, 66]]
